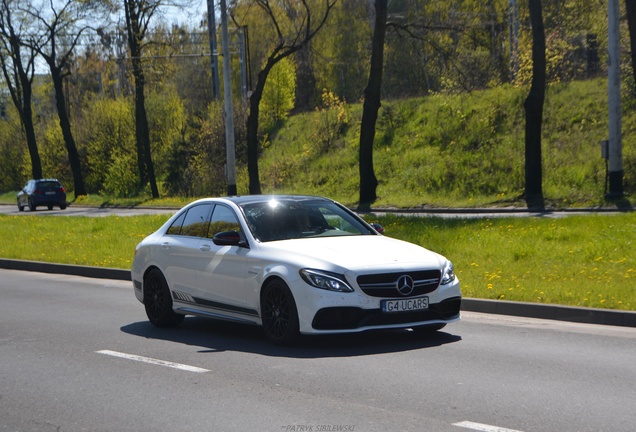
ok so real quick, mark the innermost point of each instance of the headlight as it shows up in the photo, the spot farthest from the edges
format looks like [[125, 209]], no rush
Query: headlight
[[325, 280], [448, 273]]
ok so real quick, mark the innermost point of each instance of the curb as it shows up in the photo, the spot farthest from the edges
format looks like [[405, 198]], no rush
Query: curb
[[497, 307], [67, 269]]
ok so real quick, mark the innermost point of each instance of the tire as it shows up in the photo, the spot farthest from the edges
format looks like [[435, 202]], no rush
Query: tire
[[50, 207], [158, 301], [32, 205], [279, 313], [63, 207], [20, 206]]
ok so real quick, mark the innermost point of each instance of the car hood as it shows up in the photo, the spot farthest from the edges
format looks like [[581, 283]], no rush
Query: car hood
[[356, 253]]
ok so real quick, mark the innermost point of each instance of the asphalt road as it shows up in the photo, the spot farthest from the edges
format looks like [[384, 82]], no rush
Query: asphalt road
[[78, 354], [445, 213], [84, 211]]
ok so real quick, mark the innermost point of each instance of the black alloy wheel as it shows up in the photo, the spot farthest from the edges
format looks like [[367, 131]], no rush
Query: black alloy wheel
[[158, 301], [279, 313]]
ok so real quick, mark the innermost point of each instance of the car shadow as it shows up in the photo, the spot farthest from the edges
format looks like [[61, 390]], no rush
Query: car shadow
[[218, 336]]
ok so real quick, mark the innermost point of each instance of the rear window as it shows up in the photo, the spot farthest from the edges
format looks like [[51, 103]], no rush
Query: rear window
[[48, 184]]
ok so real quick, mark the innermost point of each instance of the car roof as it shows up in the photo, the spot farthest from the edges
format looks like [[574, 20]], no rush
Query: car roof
[[254, 199], [45, 179]]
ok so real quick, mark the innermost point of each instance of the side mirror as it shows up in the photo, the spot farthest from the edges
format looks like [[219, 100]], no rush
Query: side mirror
[[376, 226], [229, 238]]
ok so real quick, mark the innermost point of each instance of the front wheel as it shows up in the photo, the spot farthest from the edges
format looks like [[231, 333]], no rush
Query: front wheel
[[279, 313], [20, 206], [158, 301]]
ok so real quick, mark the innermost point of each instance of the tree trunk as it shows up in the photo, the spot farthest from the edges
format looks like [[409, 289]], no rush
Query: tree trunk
[[21, 93], [29, 130], [65, 125], [142, 130], [372, 95], [142, 133], [630, 6], [534, 110], [306, 87], [252, 130]]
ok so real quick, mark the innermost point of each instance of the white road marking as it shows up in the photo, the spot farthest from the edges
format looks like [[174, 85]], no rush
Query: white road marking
[[482, 427], [154, 361]]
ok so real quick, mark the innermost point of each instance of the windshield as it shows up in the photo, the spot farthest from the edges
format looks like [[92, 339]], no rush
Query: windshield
[[287, 219]]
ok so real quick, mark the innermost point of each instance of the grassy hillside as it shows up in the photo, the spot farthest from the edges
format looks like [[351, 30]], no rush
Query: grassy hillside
[[460, 150]]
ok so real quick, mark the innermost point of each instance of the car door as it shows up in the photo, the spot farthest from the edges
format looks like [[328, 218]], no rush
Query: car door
[[222, 280], [180, 257]]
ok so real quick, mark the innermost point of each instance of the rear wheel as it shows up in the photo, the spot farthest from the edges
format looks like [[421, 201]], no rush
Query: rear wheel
[[279, 313], [32, 206], [158, 301]]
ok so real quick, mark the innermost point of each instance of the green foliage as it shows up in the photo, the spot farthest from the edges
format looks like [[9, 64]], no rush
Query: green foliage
[[196, 161], [330, 123], [54, 156], [12, 151], [109, 136], [278, 95], [167, 124], [341, 59], [121, 179]]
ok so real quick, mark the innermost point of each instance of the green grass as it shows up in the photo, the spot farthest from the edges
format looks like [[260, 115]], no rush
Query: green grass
[[462, 150], [585, 261], [94, 241]]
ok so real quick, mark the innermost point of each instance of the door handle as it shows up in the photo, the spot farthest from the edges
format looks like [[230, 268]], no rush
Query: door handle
[[205, 248], [165, 246]]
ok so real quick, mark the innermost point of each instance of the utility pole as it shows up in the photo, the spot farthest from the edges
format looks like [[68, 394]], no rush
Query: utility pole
[[614, 102], [241, 36], [230, 167], [214, 57]]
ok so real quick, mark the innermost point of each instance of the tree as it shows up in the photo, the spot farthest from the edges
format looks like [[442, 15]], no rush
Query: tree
[[138, 15], [372, 95], [18, 74], [293, 30], [630, 6], [56, 39], [533, 106]]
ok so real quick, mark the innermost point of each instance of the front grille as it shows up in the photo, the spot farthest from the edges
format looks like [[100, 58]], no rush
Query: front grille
[[385, 284], [348, 318]]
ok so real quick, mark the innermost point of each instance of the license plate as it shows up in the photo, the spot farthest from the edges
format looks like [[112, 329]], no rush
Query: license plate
[[405, 305], [49, 193]]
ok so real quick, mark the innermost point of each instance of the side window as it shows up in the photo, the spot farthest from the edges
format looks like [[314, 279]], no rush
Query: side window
[[196, 221], [175, 228], [223, 219]]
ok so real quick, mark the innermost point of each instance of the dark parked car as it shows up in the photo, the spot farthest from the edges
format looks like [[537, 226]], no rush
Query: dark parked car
[[42, 192]]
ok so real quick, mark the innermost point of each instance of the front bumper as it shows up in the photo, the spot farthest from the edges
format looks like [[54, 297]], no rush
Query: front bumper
[[323, 312], [352, 318]]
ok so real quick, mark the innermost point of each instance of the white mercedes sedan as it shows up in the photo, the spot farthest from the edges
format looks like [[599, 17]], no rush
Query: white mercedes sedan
[[293, 265]]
